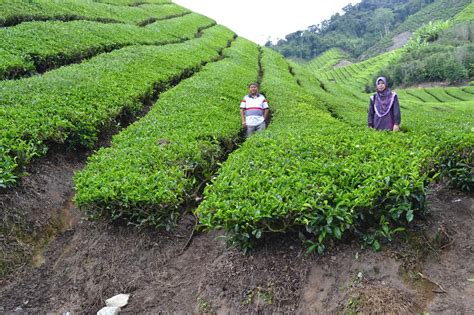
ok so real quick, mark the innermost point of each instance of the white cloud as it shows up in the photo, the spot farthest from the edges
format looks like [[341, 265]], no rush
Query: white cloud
[[259, 20]]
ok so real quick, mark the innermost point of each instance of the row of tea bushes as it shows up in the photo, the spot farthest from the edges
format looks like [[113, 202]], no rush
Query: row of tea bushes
[[13, 12], [313, 173], [73, 104], [158, 163], [39, 46]]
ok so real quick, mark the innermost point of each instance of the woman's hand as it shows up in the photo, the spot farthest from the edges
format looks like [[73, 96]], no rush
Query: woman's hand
[[396, 128]]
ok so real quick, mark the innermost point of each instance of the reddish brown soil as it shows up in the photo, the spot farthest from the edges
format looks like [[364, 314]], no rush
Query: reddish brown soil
[[427, 269]]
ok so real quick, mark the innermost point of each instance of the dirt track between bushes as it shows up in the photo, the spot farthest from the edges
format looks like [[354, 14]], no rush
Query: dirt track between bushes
[[74, 264]]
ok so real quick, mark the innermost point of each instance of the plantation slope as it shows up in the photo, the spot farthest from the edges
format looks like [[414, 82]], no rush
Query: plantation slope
[[159, 162], [434, 119], [437, 11], [133, 2], [346, 99], [13, 12], [446, 96], [40, 46], [73, 104], [311, 172], [326, 60], [467, 14], [440, 10], [356, 76]]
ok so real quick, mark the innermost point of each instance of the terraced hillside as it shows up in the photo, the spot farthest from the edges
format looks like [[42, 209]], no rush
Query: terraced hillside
[[166, 82], [441, 10], [327, 60], [359, 74], [466, 14], [36, 47]]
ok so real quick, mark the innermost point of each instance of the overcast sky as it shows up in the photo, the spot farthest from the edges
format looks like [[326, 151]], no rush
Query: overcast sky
[[260, 20]]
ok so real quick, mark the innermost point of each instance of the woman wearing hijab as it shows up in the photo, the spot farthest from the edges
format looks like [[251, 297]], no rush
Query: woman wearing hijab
[[384, 109]]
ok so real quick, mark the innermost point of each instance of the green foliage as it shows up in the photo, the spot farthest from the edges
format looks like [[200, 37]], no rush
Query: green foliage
[[427, 33], [381, 21], [458, 169], [367, 29], [314, 173], [435, 53], [34, 46], [360, 75], [433, 67], [67, 106], [439, 10], [449, 95], [457, 35], [445, 114], [7, 168], [327, 60], [467, 14], [133, 2], [157, 163], [317, 169], [16, 11]]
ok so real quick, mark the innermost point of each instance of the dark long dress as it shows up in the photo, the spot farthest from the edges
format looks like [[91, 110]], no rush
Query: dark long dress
[[384, 121]]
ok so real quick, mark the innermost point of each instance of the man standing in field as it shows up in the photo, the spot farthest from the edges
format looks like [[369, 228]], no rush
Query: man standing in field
[[253, 111]]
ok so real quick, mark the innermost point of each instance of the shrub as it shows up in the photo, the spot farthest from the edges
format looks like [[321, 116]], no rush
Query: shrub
[[427, 33], [65, 106], [441, 67], [161, 161]]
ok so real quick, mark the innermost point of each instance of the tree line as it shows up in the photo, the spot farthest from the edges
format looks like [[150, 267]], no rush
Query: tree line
[[358, 28]]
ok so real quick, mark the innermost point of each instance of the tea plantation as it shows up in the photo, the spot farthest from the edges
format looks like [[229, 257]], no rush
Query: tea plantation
[[70, 70]]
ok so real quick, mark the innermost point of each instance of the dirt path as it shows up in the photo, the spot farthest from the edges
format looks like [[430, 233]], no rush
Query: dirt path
[[425, 270]]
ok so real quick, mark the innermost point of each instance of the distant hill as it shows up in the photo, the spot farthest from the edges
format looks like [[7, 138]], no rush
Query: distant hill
[[368, 24]]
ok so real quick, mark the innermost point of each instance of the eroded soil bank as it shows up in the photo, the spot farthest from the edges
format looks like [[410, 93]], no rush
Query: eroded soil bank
[[78, 264]]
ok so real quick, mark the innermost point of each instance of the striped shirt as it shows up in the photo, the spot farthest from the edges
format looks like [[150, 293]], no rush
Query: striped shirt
[[254, 107]]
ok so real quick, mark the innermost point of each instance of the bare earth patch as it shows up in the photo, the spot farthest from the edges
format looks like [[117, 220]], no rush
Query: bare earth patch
[[400, 40], [427, 269], [342, 63]]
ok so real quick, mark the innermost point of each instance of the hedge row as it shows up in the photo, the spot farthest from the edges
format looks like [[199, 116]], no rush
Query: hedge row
[[39, 46], [440, 10], [326, 60], [313, 173], [72, 104], [158, 163], [133, 2], [13, 12], [440, 115], [359, 76], [467, 14]]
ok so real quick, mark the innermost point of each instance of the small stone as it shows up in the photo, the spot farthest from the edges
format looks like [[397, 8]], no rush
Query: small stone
[[109, 310], [119, 300]]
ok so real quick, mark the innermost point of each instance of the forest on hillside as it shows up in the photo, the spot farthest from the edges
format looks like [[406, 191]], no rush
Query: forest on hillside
[[364, 25]]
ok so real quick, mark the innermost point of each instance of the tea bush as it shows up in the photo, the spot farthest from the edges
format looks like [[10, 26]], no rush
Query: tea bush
[[158, 163]]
